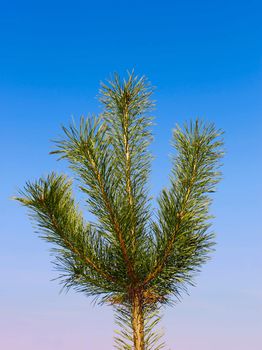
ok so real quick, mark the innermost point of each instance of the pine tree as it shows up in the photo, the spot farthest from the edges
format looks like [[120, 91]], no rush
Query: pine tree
[[133, 257]]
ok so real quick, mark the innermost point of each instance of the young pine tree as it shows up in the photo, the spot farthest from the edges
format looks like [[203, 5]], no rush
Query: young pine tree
[[133, 257]]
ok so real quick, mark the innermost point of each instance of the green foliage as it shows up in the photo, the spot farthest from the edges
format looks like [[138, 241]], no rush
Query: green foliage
[[183, 239], [129, 253]]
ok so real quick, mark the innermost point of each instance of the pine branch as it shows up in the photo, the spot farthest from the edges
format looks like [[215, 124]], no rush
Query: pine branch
[[182, 237], [52, 207], [126, 105], [89, 155]]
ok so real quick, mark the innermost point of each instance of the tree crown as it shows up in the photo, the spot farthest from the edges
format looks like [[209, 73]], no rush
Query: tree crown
[[130, 251]]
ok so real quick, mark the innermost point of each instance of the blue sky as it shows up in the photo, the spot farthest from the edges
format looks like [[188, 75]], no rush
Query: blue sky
[[205, 59]]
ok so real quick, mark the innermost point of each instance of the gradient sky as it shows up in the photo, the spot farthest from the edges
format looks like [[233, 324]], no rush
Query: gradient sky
[[205, 58]]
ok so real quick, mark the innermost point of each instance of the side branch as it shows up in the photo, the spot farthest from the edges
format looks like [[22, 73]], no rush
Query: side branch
[[89, 155], [184, 208], [54, 210], [111, 211]]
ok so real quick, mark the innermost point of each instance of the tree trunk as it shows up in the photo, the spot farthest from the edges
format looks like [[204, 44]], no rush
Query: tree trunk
[[138, 323]]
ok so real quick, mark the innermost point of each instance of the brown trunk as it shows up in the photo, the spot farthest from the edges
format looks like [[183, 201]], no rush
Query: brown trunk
[[138, 323]]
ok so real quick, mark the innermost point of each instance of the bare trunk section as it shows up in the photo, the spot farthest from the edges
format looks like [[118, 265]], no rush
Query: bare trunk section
[[138, 323]]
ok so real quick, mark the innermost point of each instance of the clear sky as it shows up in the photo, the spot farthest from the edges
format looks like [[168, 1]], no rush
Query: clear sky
[[205, 58]]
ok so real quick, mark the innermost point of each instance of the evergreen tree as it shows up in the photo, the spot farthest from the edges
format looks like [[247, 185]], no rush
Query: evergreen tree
[[132, 257]]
